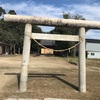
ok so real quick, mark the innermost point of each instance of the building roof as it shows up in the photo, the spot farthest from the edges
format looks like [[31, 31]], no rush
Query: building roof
[[93, 40], [48, 42], [2, 43]]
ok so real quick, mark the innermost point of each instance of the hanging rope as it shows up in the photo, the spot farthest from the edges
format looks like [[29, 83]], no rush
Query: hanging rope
[[62, 50]]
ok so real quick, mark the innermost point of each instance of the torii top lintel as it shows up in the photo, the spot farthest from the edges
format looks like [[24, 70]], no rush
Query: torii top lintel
[[52, 21]]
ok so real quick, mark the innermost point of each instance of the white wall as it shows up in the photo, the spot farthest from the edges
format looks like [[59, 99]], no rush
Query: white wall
[[93, 47], [93, 54]]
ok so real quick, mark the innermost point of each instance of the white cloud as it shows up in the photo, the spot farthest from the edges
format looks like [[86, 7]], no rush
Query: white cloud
[[31, 8], [89, 11]]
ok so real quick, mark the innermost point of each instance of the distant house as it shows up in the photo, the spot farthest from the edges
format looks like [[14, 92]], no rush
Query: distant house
[[49, 44], [93, 48], [4, 48]]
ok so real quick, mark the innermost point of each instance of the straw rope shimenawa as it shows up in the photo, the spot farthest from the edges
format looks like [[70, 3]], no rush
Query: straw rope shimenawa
[[62, 50]]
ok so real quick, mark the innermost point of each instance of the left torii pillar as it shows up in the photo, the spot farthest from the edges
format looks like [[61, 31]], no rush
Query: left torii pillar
[[25, 57]]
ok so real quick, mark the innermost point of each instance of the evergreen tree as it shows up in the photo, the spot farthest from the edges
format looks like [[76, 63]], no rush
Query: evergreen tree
[[34, 46], [12, 12], [2, 11]]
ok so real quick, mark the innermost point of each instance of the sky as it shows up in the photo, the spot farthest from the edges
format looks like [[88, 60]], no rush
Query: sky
[[89, 9]]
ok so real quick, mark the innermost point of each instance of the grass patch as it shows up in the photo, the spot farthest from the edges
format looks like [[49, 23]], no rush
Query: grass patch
[[89, 62]]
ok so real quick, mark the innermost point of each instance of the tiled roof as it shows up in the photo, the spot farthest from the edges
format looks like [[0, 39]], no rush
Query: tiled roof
[[3, 43], [93, 40], [48, 42]]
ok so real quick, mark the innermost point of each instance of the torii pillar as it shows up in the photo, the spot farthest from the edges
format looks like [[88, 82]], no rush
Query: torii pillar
[[25, 58], [82, 61]]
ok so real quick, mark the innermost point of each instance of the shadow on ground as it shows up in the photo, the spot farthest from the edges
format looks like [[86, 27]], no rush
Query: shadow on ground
[[42, 75]]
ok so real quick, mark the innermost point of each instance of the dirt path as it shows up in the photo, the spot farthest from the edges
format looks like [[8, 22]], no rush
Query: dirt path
[[49, 76], [13, 64]]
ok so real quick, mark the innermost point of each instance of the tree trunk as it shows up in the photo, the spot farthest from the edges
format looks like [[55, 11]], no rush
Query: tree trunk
[[11, 47], [18, 50], [74, 52], [14, 49]]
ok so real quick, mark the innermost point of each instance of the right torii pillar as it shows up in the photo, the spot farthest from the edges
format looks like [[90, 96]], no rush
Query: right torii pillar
[[82, 61]]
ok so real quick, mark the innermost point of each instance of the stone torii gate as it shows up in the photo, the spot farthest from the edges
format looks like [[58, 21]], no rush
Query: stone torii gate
[[29, 20]]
